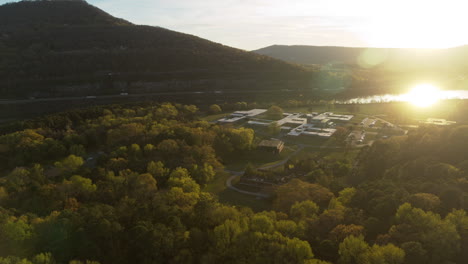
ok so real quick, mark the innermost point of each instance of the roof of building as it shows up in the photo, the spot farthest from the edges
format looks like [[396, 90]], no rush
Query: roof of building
[[332, 116], [439, 122], [239, 115], [310, 130]]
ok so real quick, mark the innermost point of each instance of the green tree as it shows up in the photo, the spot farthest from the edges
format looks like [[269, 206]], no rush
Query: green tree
[[388, 254], [352, 250], [215, 109], [203, 174], [15, 237], [438, 237], [425, 201], [78, 186], [43, 258], [226, 234], [262, 223], [340, 232], [14, 260], [346, 195], [298, 191], [274, 112], [273, 128], [180, 177], [157, 169], [303, 210], [70, 164]]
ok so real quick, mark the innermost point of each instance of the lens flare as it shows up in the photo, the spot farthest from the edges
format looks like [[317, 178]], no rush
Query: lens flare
[[423, 95]]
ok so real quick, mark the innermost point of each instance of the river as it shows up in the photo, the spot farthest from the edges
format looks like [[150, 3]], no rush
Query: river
[[386, 98]]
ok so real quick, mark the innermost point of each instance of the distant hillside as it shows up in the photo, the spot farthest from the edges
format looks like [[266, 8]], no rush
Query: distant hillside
[[390, 59], [53, 13], [58, 48]]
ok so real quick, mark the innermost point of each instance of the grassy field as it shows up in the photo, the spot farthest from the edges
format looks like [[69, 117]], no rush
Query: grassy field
[[231, 197], [211, 118], [219, 183], [307, 140], [257, 158]]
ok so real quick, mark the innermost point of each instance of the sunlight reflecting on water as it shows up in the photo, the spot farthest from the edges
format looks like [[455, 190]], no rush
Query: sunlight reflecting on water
[[386, 98]]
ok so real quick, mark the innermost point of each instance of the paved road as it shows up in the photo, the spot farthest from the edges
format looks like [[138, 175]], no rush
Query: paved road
[[97, 97], [232, 187]]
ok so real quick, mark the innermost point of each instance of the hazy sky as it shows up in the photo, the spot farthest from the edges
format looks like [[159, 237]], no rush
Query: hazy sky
[[252, 24]]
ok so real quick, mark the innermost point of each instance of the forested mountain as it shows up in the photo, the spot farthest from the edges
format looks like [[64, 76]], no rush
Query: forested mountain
[[53, 13], [389, 59], [54, 48]]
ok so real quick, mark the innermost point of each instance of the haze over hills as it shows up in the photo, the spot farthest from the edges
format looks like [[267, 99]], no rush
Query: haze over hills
[[58, 48], [383, 58]]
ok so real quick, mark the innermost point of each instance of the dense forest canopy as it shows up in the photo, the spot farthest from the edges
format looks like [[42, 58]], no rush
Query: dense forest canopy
[[125, 184]]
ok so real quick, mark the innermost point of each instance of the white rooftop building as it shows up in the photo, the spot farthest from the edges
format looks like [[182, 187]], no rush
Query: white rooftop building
[[289, 119], [332, 116], [310, 130], [297, 124], [239, 115], [438, 122]]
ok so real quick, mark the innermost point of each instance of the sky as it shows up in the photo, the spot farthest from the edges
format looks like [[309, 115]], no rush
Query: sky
[[253, 24]]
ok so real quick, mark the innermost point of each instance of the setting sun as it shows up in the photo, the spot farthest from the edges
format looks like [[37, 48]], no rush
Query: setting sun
[[423, 95]]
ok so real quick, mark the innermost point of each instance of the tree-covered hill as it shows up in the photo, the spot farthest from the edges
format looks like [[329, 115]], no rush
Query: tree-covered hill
[[48, 46], [40, 13], [392, 59]]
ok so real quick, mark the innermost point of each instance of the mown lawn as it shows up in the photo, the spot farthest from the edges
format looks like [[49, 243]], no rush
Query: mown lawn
[[211, 118], [231, 197], [257, 158]]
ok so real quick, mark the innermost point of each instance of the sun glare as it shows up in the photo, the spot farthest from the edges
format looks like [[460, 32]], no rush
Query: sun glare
[[423, 95]]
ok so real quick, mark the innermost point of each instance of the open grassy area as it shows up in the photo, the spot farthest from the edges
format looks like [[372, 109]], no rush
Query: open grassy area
[[231, 197], [211, 118], [257, 158], [307, 140], [218, 184]]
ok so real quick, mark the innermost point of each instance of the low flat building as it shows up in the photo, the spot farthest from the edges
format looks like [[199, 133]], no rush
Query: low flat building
[[241, 115], [311, 130], [332, 116], [272, 145], [288, 120], [438, 122], [356, 137]]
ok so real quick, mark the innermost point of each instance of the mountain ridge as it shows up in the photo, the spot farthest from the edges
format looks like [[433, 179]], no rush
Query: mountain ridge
[[392, 58], [74, 44]]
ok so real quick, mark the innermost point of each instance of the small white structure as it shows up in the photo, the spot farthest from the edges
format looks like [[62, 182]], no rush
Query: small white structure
[[438, 122], [285, 123], [292, 119], [368, 122], [356, 137], [332, 116], [240, 115], [311, 130]]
